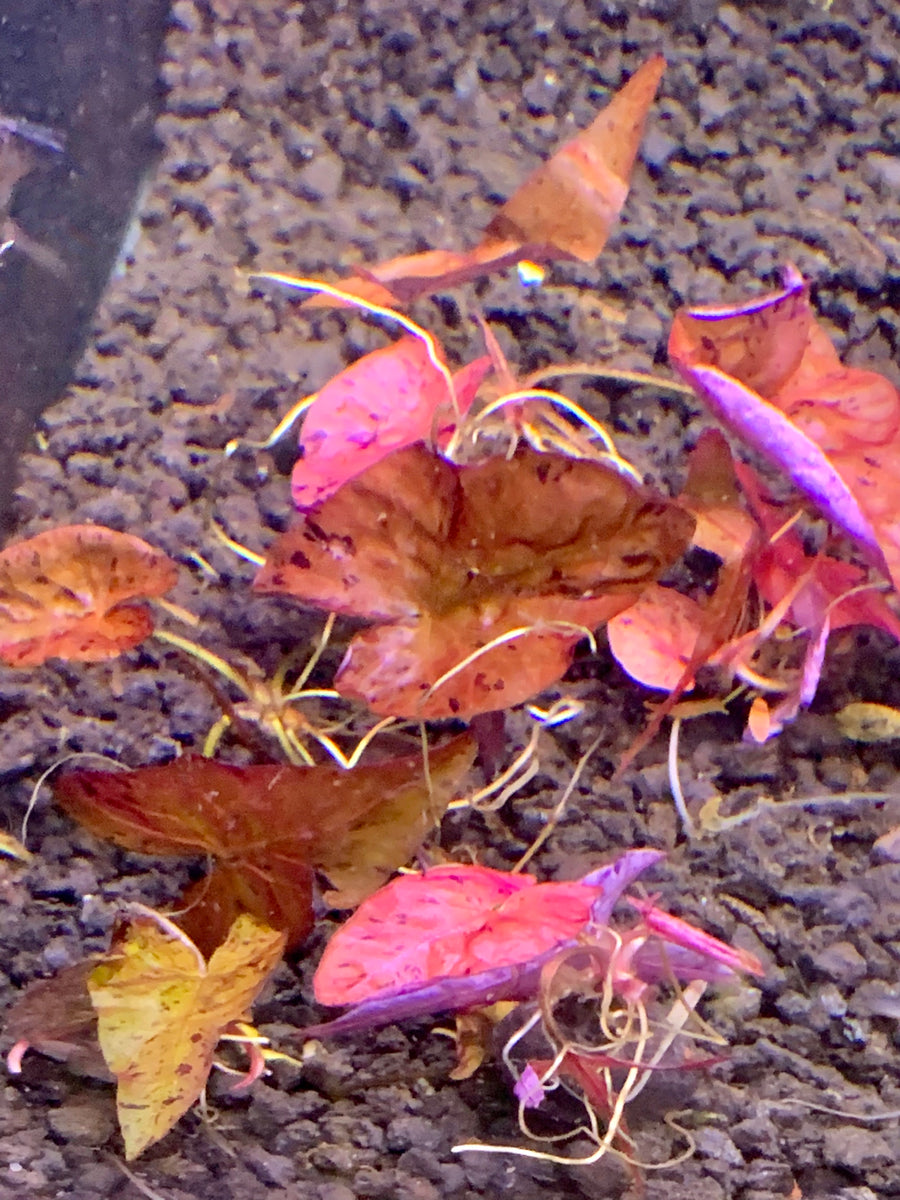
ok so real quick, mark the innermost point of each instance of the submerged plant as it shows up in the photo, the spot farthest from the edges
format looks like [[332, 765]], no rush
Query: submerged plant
[[459, 937], [480, 525]]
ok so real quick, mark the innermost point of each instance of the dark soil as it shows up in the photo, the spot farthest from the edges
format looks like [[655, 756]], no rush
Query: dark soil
[[304, 138]]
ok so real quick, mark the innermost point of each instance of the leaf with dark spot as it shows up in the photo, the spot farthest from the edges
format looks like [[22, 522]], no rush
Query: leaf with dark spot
[[389, 398], [448, 558], [769, 371], [73, 593], [161, 1009], [267, 828]]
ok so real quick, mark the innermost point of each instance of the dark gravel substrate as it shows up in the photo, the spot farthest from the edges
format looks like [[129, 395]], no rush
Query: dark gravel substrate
[[306, 137]]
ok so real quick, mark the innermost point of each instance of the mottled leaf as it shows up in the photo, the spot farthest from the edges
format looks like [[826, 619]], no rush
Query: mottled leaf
[[454, 557], [569, 205], [459, 920], [71, 593], [161, 1009], [267, 828], [387, 953], [387, 399]]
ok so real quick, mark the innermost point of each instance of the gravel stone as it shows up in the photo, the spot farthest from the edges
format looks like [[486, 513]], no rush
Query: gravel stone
[[857, 1150], [319, 137], [840, 962], [85, 1124]]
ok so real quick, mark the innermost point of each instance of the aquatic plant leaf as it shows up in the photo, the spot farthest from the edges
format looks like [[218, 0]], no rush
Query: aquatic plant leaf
[[70, 593], [55, 1017], [564, 210], [865, 722], [399, 935], [400, 281], [665, 637], [161, 1009], [388, 668], [813, 593], [456, 556], [677, 932], [770, 373], [474, 1035], [568, 206], [459, 920], [393, 829], [387, 399], [712, 495], [654, 640], [267, 828], [778, 564]]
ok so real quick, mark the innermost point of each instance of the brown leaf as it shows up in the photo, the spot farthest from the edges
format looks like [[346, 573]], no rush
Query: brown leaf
[[455, 556], [268, 827], [55, 1017], [474, 1035], [69, 593], [570, 204]]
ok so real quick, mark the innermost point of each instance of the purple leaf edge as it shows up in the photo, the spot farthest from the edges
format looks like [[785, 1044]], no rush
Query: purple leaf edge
[[766, 428], [516, 981]]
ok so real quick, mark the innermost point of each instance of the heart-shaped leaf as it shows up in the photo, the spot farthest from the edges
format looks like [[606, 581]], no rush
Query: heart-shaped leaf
[[267, 828], [503, 562], [73, 592]]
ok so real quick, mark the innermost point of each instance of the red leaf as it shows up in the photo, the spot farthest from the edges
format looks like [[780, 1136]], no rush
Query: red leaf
[[712, 495], [420, 943], [778, 565], [568, 206], [654, 640], [677, 932], [772, 374], [385, 400], [564, 210], [69, 593], [268, 827], [458, 556], [451, 920], [666, 637], [401, 281]]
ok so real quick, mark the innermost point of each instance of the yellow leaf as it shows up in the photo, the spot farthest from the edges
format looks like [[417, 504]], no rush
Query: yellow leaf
[[14, 848], [474, 1031], [869, 722], [161, 1010]]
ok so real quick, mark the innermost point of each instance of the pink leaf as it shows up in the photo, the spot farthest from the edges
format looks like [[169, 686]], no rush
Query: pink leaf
[[654, 639], [454, 919], [778, 564], [772, 375], [385, 400], [457, 919], [677, 932]]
